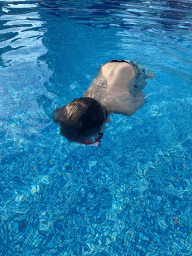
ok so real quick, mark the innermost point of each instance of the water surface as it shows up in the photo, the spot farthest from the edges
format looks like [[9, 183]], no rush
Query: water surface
[[131, 196]]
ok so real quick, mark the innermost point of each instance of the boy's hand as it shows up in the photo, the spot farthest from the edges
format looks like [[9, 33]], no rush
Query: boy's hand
[[150, 76]]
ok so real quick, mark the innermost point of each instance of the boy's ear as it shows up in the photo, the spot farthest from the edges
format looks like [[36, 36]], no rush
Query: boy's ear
[[58, 113], [80, 125]]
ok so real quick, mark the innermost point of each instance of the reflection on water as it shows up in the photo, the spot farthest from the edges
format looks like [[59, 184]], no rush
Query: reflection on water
[[23, 74], [22, 33], [105, 14], [174, 12]]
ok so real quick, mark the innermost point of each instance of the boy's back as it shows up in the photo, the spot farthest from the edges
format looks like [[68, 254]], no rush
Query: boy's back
[[114, 87]]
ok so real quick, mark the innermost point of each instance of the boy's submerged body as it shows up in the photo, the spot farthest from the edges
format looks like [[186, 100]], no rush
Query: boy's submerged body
[[119, 88], [116, 89]]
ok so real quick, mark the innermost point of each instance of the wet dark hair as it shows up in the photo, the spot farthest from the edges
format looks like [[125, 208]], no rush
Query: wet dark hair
[[81, 118]]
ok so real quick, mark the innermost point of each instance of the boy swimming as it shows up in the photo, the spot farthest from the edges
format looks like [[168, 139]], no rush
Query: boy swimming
[[116, 89]]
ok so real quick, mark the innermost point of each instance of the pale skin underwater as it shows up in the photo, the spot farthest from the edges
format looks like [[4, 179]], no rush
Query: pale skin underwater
[[117, 88]]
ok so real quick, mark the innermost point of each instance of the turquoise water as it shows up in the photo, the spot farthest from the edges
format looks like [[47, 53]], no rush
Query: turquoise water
[[130, 197]]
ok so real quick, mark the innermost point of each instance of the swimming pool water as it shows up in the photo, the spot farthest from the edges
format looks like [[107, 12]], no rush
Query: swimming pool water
[[130, 197]]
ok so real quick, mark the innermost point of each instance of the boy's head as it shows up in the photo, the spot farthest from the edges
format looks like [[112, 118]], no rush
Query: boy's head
[[81, 118]]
